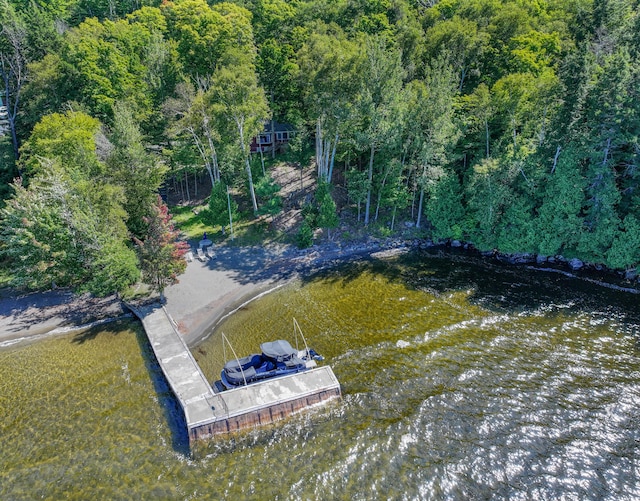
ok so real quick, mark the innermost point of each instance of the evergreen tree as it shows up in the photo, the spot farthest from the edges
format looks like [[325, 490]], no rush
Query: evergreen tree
[[444, 208], [625, 249], [220, 203], [130, 166], [327, 216]]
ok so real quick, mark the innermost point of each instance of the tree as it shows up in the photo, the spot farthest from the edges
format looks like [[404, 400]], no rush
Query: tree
[[304, 238], [444, 207], [267, 192], [241, 101], [58, 233], [460, 42], [197, 123], [13, 65], [379, 110], [327, 216], [70, 216], [357, 187], [131, 167], [430, 131], [222, 209], [330, 67], [479, 110], [205, 34], [161, 254], [68, 139], [489, 192], [625, 249]]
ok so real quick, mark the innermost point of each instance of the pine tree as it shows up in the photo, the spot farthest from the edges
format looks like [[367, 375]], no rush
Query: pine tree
[[327, 217]]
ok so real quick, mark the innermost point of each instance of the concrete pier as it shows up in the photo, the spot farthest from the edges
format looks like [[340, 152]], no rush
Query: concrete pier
[[209, 413]]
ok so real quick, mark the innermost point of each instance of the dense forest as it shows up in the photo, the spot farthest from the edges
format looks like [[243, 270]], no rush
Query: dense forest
[[510, 124]]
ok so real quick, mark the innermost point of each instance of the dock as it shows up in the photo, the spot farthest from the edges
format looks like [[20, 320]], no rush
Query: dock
[[209, 413]]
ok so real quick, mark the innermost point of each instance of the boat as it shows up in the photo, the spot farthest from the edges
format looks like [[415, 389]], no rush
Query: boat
[[277, 358]]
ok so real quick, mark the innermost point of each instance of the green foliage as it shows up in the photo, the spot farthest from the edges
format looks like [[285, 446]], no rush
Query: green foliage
[[161, 254], [8, 171], [511, 123], [488, 194], [304, 238], [444, 208], [68, 139], [205, 34], [625, 249], [517, 231], [136, 171], [267, 193], [217, 213], [559, 223], [357, 185], [327, 216], [105, 62], [310, 214], [58, 232]]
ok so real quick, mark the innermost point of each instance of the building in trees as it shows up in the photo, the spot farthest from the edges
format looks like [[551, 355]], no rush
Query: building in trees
[[275, 136]]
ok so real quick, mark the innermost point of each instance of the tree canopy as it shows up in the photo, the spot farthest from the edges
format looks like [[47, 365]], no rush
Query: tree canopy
[[510, 124]]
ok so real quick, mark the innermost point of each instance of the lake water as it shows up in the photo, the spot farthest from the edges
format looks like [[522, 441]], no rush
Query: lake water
[[461, 380]]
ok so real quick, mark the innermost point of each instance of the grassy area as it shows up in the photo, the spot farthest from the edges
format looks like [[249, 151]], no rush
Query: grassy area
[[247, 230], [189, 221]]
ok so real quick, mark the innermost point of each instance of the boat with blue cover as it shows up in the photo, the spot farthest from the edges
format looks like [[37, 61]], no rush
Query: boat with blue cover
[[277, 358]]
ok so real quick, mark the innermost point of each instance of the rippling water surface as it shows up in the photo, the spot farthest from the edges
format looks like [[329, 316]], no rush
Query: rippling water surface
[[460, 381]]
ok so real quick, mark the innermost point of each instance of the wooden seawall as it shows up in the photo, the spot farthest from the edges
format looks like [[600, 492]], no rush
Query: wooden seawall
[[208, 413]]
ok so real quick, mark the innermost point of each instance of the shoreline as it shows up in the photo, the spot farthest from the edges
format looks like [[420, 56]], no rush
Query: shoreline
[[275, 267], [210, 291]]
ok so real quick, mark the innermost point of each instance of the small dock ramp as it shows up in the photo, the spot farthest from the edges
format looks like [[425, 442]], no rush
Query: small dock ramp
[[209, 413]]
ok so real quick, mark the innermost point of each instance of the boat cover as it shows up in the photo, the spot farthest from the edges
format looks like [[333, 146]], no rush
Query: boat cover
[[279, 350], [238, 378], [243, 364]]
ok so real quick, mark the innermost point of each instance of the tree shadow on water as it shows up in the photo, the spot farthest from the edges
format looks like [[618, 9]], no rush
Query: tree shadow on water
[[492, 284], [110, 327]]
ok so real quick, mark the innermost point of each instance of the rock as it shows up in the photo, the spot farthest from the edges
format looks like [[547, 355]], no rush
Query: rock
[[631, 274], [456, 243], [521, 258], [575, 264], [540, 259], [409, 224]]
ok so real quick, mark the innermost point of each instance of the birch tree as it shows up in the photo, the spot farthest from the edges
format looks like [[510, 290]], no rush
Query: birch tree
[[241, 101], [378, 104], [431, 128], [13, 66], [195, 120], [329, 68]]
